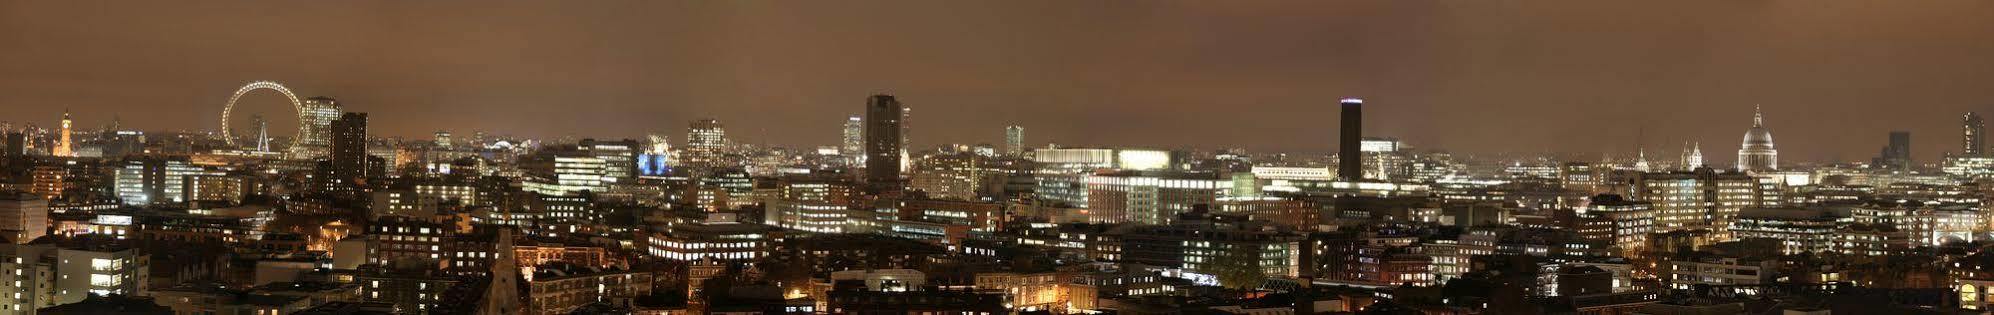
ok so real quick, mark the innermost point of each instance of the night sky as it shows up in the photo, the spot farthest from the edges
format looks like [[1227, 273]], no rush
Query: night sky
[[1469, 76]]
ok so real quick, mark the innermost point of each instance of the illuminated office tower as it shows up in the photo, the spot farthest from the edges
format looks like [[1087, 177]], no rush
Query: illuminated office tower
[[1757, 153], [1349, 152], [319, 113], [958, 176], [1581, 177], [619, 158], [854, 146], [563, 173], [1014, 140], [1973, 140], [154, 180], [1701, 199], [1618, 221], [1151, 197], [883, 143], [705, 140], [62, 144]]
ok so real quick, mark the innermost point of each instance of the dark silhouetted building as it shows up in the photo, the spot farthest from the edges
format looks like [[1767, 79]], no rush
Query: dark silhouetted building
[[1897, 154], [882, 143], [348, 161], [1350, 156]]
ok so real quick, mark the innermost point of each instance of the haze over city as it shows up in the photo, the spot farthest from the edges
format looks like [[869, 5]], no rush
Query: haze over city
[[960, 157], [1580, 78]]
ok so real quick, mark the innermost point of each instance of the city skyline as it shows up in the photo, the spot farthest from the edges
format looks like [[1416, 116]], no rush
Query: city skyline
[[1445, 86], [985, 157]]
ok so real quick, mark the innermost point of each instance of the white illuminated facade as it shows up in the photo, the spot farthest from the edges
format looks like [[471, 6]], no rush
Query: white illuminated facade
[[44, 275], [1142, 160], [619, 158], [808, 216], [1074, 159], [1378, 145], [1293, 173], [1150, 199], [1969, 166], [1693, 200], [718, 237], [853, 148], [1797, 230], [141, 182], [572, 174]]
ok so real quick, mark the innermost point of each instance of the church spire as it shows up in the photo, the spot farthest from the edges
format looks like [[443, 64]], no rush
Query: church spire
[[1758, 117], [502, 295], [1695, 156]]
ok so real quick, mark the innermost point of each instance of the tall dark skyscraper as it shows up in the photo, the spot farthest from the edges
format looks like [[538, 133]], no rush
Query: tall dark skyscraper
[[883, 116], [16, 145], [16, 150], [1350, 156], [348, 160], [1897, 154], [1974, 136]]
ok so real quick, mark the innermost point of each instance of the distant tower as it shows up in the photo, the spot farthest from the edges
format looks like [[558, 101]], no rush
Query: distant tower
[[854, 146], [1641, 160], [443, 139], [1695, 159], [1014, 140], [62, 145], [906, 115], [1974, 139], [1349, 149], [1757, 153], [883, 143]]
